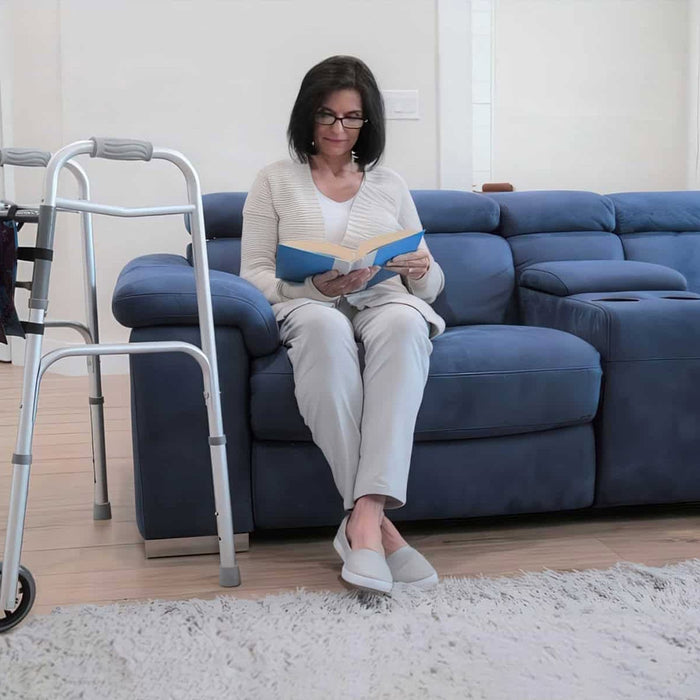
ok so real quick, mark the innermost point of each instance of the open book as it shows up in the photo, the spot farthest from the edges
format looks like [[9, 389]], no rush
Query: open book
[[297, 260]]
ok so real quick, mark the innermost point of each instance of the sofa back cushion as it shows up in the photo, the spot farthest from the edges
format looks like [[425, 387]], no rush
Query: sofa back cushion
[[543, 226], [223, 222], [662, 228], [478, 265]]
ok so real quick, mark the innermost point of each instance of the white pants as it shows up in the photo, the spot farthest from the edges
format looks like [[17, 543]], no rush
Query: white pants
[[363, 422]]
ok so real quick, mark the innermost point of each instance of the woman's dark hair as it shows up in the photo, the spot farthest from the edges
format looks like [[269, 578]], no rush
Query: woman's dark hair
[[338, 73]]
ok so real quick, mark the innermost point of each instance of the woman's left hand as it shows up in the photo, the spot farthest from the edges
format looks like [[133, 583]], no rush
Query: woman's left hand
[[411, 265]]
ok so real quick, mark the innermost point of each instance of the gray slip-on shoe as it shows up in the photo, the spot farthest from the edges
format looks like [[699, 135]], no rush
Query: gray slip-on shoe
[[408, 566], [362, 568]]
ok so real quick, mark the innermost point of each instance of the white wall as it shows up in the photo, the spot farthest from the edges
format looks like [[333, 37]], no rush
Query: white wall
[[215, 80], [591, 94], [693, 96], [588, 94], [6, 137]]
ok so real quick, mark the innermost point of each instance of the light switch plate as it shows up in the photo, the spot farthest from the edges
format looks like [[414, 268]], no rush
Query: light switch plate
[[401, 104]]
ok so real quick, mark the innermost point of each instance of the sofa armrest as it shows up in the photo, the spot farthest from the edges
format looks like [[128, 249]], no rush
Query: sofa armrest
[[568, 277], [159, 290]]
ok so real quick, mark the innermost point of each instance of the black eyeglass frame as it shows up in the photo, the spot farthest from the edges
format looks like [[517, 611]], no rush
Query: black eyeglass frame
[[338, 119]]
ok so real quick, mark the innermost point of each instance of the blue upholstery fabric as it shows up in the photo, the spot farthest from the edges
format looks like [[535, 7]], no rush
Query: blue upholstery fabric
[[577, 276], [575, 245], [484, 380], [479, 278], [478, 266], [452, 211], [648, 426], [623, 327], [552, 211], [530, 473], [557, 225], [223, 214], [172, 462], [223, 253], [159, 290], [663, 228], [679, 251], [656, 211]]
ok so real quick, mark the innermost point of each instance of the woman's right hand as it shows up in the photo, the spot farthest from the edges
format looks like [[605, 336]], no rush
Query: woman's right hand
[[333, 284]]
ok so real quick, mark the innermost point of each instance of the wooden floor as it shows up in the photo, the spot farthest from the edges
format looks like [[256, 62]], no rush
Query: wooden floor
[[77, 560]]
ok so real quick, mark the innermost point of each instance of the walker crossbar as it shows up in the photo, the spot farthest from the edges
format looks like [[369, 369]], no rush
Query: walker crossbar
[[78, 205], [16, 584]]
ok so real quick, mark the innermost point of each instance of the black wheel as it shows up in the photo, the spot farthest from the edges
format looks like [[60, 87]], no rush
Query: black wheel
[[25, 599]]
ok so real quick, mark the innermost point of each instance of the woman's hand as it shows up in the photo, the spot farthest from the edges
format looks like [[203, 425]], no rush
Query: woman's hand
[[411, 265], [333, 284]]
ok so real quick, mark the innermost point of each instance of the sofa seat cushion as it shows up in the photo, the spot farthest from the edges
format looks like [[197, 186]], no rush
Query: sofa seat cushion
[[484, 380]]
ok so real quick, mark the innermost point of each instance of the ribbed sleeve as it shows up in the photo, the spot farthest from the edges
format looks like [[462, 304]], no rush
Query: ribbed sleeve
[[259, 238], [432, 283]]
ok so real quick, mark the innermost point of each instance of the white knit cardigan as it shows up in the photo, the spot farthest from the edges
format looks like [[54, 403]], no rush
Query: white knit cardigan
[[282, 205]]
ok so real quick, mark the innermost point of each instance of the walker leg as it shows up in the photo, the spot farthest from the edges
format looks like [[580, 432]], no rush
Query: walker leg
[[102, 509], [229, 572], [22, 458], [21, 462]]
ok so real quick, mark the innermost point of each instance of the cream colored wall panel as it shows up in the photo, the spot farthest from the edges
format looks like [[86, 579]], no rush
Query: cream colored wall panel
[[591, 94]]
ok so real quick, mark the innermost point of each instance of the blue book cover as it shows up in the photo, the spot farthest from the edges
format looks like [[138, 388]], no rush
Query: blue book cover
[[297, 260]]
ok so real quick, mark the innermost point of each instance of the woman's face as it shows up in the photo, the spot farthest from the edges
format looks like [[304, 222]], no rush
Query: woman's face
[[336, 140]]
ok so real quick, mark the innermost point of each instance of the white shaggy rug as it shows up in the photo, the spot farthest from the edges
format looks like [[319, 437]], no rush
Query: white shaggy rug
[[631, 631]]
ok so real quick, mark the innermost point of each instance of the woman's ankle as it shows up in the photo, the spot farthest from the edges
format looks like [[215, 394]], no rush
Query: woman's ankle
[[369, 509], [391, 537]]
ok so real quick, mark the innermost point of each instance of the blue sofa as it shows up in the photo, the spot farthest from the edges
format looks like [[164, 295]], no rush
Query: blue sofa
[[567, 377]]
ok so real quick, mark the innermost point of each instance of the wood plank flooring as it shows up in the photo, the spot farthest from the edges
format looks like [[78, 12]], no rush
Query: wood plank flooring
[[77, 560]]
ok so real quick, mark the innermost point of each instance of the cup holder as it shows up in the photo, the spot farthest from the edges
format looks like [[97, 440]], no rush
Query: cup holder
[[616, 299]]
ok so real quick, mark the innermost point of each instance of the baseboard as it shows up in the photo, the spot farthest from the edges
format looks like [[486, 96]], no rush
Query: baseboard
[[186, 546]]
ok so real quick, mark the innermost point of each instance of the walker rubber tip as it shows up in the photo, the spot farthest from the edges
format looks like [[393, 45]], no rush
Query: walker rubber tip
[[102, 511], [229, 576]]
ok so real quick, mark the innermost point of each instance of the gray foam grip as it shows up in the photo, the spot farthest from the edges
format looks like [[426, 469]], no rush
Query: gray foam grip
[[121, 149], [27, 157]]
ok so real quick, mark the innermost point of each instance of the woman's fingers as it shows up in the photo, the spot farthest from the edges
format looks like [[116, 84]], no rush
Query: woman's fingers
[[410, 264], [356, 279], [413, 265], [333, 284], [410, 258]]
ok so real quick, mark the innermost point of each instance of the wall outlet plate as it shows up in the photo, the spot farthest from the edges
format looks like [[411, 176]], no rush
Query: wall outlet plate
[[401, 104]]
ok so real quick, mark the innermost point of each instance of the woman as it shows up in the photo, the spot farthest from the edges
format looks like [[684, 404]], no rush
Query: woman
[[363, 422]]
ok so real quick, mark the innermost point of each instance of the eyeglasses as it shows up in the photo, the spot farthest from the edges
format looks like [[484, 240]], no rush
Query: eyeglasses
[[328, 119]]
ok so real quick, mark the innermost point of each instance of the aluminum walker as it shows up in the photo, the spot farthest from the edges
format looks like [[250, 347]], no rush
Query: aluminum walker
[[17, 586]]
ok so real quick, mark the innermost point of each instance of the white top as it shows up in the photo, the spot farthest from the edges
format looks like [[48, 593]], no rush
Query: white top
[[335, 216], [282, 206]]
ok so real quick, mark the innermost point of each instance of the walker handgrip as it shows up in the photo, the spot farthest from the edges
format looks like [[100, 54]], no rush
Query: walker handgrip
[[121, 149], [28, 157]]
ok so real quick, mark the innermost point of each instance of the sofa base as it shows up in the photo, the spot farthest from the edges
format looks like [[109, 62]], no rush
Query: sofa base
[[186, 546], [540, 472]]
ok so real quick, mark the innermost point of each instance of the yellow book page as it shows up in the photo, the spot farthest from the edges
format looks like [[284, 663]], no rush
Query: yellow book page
[[383, 239], [333, 249], [348, 254]]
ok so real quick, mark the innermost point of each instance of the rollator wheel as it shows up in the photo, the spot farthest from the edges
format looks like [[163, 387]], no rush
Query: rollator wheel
[[26, 597]]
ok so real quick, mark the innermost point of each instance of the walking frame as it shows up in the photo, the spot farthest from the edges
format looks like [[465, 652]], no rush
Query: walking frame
[[17, 587]]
